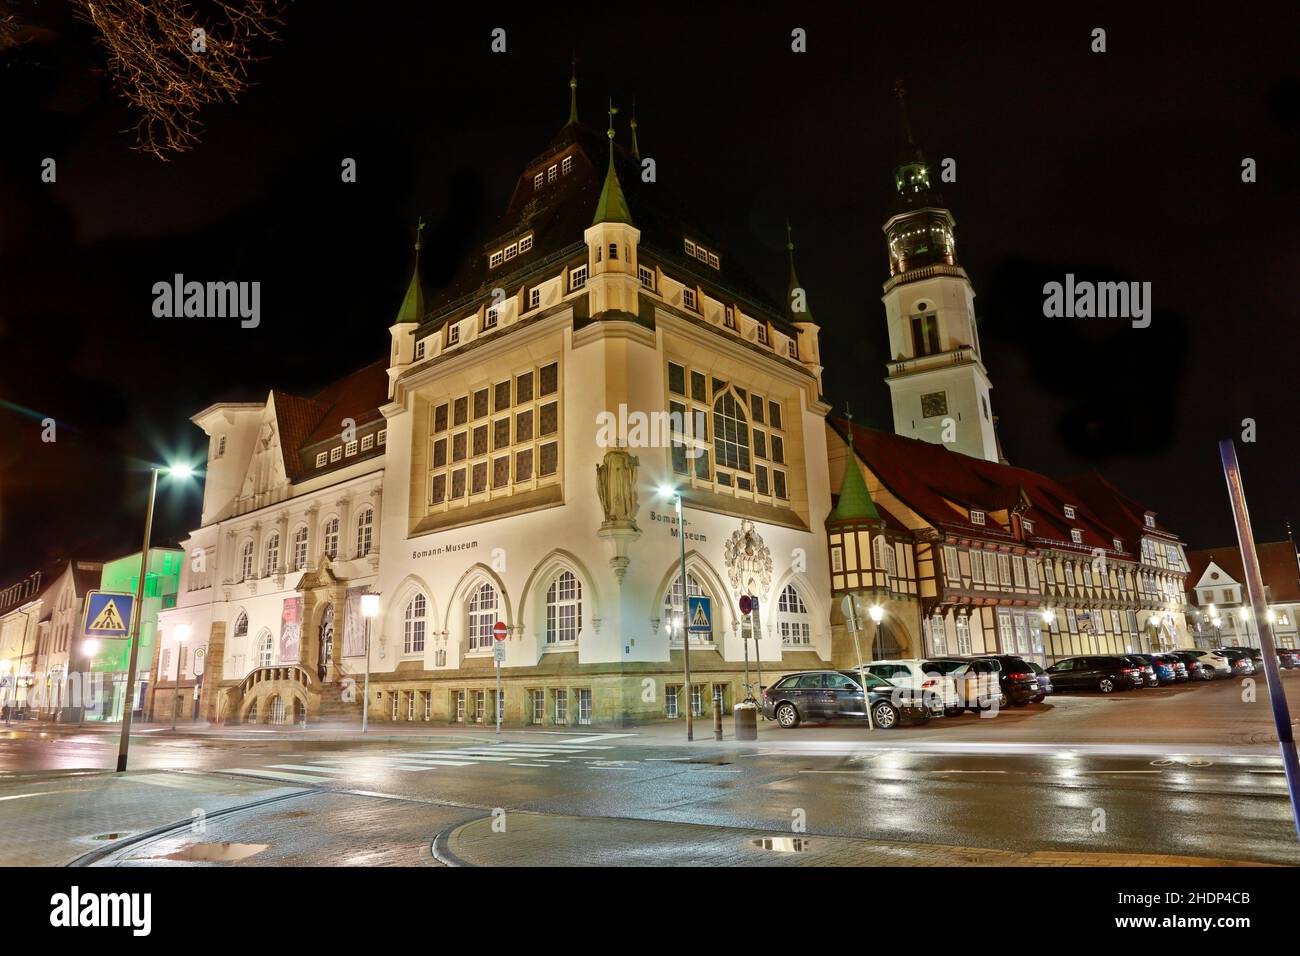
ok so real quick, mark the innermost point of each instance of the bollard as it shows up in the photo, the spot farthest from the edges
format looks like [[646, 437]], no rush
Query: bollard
[[717, 716]]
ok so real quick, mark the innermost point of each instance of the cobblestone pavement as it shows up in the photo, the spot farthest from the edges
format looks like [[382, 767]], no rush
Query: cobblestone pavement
[[528, 839], [52, 819]]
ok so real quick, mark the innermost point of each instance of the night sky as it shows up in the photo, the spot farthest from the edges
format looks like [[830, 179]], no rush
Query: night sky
[[1123, 165]]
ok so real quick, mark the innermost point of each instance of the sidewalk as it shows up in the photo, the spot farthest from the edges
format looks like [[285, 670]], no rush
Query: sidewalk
[[52, 819], [541, 840]]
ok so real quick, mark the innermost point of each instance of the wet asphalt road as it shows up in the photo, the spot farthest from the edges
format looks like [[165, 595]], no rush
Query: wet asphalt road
[[384, 801]]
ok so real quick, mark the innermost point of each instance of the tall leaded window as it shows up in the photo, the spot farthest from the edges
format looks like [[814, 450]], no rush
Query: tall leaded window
[[499, 439], [272, 555], [331, 538], [413, 624], [241, 625], [482, 615], [792, 616], [745, 455], [300, 548], [365, 531], [246, 561], [563, 609]]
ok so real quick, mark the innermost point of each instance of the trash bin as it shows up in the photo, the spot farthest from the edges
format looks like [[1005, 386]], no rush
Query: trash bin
[[746, 721]]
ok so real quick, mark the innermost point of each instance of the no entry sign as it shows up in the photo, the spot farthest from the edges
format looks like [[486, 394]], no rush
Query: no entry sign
[[499, 631]]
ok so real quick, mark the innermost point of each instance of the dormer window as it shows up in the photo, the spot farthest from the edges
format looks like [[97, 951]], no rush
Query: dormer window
[[688, 298], [490, 317], [336, 453], [1119, 545], [762, 333], [792, 349], [729, 317], [496, 259], [321, 459], [647, 277], [690, 248], [577, 277], [1069, 511], [511, 251], [506, 253], [419, 350], [977, 517], [613, 250], [552, 173], [538, 180], [453, 334], [1028, 526], [696, 251], [566, 165], [1150, 521], [1076, 536], [525, 244], [534, 297]]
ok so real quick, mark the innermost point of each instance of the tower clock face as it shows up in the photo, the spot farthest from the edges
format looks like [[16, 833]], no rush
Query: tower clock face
[[934, 404]]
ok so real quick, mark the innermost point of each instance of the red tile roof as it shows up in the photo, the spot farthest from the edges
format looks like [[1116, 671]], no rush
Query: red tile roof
[[943, 486], [305, 422], [1277, 566]]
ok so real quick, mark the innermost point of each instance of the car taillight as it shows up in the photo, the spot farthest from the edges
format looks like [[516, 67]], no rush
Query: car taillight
[[1131, 670], [930, 683], [1019, 676]]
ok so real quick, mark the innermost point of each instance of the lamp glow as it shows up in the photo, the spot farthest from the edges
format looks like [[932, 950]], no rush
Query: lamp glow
[[1048, 615], [181, 471], [90, 647], [667, 491], [182, 633], [876, 612], [370, 605]]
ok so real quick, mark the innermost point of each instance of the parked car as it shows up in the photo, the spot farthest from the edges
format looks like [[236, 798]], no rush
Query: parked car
[[1165, 672], [923, 677], [1018, 680], [1195, 669], [837, 695], [1214, 663], [977, 681], [1180, 669], [1255, 654], [1242, 663], [1150, 676], [1106, 674], [1045, 688], [1288, 657]]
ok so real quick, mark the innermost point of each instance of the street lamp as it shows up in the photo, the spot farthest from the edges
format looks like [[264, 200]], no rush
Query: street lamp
[[181, 632], [179, 471], [89, 648], [369, 611], [668, 491]]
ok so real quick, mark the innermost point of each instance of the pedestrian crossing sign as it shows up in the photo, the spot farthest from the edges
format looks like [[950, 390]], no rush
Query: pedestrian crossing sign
[[700, 612], [108, 614]]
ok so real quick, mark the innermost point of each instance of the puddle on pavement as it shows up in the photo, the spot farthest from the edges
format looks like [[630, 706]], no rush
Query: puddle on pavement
[[215, 852], [783, 844]]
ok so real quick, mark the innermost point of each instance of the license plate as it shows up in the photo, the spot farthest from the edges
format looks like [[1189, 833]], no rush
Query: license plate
[[1033, 685]]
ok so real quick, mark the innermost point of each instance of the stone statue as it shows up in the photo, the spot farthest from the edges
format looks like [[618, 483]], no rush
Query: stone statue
[[616, 485]]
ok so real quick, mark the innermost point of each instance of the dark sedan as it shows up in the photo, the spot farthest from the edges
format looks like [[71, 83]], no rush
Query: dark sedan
[[837, 695], [1106, 674], [1017, 678], [1045, 688], [1195, 669]]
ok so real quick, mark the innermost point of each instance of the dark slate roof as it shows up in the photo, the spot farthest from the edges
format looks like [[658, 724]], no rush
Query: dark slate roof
[[1277, 566], [1120, 511], [559, 213], [930, 478]]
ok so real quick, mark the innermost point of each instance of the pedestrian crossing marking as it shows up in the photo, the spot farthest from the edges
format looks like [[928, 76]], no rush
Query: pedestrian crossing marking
[[297, 766], [276, 775], [542, 765]]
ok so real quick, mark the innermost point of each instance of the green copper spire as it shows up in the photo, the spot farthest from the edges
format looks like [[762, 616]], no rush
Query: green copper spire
[[412, 309], [573, 92], [855, 502], [805, 313], [636, 150], [613, 205]]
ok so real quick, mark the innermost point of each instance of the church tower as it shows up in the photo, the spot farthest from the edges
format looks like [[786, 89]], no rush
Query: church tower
[[937, 381]]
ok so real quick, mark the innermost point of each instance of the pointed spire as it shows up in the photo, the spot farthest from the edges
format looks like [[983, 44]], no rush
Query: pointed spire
[[908, 151], [412, 309], [855, 502], [636, 150], [613, 205], [573, 91], [997, 440], [804, 314]]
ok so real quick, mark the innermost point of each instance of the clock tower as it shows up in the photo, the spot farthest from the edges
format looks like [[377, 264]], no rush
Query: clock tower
[[937, 381]]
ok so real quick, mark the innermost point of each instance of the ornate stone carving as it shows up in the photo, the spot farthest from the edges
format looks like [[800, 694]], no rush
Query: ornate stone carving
[[747, 559]]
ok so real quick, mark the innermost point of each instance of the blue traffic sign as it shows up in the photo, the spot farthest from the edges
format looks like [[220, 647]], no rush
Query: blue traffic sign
[[700, 612], [108, 614]]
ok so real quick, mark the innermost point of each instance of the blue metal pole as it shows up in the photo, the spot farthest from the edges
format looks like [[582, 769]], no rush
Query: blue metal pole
[[1259, 606]]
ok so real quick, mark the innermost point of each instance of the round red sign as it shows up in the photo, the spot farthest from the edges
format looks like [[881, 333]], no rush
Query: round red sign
[[499, 631]]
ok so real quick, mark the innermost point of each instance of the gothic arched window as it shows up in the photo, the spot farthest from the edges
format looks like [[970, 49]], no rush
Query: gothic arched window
[[563, 609], [265, 649], [673, 613], [730, 432], [241, 625], [413, 624], [482, 615], [792, 617]]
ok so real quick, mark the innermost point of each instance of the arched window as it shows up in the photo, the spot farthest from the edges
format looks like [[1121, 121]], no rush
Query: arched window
[[241, 625], [730, 432], [792, 617], [272, 555], [331, 532], [563, 609], [482, 615], [413, 625], [883, 557], [265, 649], [246, 561], [365, 531], [300, 548], [673, 606]]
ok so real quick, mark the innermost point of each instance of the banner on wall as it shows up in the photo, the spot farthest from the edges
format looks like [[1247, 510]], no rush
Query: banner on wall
[[354, 625], [290, 630]]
